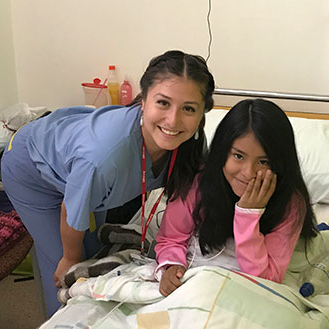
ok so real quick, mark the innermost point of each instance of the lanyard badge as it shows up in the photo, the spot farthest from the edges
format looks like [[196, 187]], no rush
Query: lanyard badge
[[146, 224]]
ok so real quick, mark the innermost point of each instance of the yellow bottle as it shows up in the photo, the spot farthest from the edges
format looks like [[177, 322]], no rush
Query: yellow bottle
[[113, 86]]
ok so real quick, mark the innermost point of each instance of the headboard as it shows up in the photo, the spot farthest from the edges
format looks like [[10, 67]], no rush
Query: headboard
[[283, 98], [305, 115]]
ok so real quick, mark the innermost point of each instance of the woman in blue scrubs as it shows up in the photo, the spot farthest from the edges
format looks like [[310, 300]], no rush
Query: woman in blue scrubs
[[60, 169]]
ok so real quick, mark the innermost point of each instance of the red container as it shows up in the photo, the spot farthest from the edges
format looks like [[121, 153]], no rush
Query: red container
[[96, 93]]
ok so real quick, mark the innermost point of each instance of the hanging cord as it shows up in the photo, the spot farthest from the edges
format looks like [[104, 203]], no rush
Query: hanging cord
[[6, 126], [315, 265], [157, 217], [195, 240], [209, 29]]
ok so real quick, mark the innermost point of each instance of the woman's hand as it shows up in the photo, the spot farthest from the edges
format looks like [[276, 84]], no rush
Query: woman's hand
[[170, 280], [259, 191], [63, 266]]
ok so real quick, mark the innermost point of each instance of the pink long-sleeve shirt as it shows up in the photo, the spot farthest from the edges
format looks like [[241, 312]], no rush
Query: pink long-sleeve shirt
[[265, 256]]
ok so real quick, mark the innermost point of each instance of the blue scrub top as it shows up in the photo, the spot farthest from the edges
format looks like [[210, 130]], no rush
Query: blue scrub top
[[93, 157]]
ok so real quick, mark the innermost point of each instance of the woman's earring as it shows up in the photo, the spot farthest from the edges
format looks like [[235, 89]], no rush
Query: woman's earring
[[196, 135], [141, 121]]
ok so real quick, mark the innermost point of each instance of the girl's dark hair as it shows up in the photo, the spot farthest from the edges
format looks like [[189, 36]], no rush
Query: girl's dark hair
[[214, 211], [191, 153]]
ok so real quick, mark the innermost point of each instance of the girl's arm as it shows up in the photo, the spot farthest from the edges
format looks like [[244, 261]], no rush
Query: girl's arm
[[265, 256], [72, 241], [176, 229]]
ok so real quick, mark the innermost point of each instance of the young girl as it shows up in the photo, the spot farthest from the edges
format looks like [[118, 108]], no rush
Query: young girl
[[76, 161], [246, 208]]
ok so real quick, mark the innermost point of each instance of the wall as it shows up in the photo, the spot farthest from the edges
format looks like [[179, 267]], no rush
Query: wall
[[8, 84], [273, 46], [279, 45]]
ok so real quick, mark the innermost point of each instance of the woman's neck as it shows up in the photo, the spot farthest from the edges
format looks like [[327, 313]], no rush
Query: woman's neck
[[159, 156], [158, 165]]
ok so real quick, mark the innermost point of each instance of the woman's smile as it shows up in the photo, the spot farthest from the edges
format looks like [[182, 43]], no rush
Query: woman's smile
[[169, 132]]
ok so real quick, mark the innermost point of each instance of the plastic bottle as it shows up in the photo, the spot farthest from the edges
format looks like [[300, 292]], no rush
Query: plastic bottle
[[113, 85], [125, 92], [317, 282]]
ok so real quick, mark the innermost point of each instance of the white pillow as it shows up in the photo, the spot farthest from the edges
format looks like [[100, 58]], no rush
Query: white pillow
[[213, 118], [312, 143]]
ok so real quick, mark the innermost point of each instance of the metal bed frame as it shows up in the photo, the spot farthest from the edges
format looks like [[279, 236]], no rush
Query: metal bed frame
[[271, 94]]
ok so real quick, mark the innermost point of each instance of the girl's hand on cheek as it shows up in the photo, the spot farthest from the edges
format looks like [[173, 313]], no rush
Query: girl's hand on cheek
[[259, 191]]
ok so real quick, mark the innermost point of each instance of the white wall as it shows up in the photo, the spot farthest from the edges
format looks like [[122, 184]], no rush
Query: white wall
[[276, 45], [8, 84]]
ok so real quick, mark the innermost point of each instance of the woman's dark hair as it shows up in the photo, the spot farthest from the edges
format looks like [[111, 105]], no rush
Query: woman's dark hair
[[214, 211], [191, 153]]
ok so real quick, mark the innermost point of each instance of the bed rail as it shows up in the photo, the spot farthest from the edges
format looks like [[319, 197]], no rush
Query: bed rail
[[271, 94]]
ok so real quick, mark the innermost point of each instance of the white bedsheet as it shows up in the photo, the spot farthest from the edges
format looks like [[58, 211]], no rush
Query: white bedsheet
[[210, 297]]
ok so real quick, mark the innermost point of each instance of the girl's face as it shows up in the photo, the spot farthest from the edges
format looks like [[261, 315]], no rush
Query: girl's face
[[172, 112], [245, 158]]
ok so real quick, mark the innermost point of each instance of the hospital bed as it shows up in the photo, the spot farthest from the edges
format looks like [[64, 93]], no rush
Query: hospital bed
[[212, 297]]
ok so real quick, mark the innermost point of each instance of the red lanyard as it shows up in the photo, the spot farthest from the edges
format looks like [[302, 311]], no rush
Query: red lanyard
[[149, 219]]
